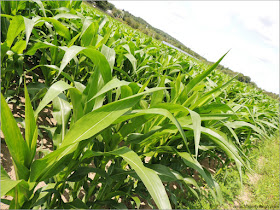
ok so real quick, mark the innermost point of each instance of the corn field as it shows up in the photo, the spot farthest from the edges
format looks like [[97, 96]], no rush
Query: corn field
[[134, 121]]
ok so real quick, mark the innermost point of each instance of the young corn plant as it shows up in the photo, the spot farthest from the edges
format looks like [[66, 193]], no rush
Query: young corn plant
[[133, 117]]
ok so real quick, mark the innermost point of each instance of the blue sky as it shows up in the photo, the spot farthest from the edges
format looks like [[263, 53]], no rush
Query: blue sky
[[210, 28]]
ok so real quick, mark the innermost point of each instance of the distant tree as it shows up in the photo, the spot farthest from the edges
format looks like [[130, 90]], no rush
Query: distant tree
[[157, 36], [104, 5]]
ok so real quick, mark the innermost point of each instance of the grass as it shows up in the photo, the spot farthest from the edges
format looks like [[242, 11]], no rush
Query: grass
[[260, 189], [265, 191]]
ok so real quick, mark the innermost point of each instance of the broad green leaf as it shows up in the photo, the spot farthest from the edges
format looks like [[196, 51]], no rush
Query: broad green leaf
[[16, 26], [4, 175], [132, 60], [70, 53], [61, 113], [76, 98], [19, 47], [148, 177], [110, 55], [30, 127], [89, 37], [104, 40], [114, 83], [8, 185], [14, 140], [158, 96], [73, 40], [54, 67], [59, 27], [81, 172], [39, 45], [53, 92], [97, 120], [213, 107], [126, 91], [211, 94], [29, 24], [76, 204], [238, 124], [96, 57], [193, 163], [168, 175], [155, 111], [100, 61], [66, 15], [196, 121], [51, 164], [205, 117], [87, 126]]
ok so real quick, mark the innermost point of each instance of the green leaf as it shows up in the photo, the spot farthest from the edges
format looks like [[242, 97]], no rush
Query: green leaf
[[87, 126], [14, 140], [29, 24], [31, 132], [155, 111], [202, 76], [41, 6], [16, 26], [53, 92], [100, 61], [8, 185], [89, 37], [114, 83], [158, 96], [196, 121], [59, 27], [76, 204], [81, 172], [211, 94], [96, 57], [70, 53], [110, 55], [97, 120], [132, 60], [4, 175], [73, 40], [39, 45], [19, 47], [168, 175], [61, 113], [66, 15], [238, 124], [76, 98], [148, 177]]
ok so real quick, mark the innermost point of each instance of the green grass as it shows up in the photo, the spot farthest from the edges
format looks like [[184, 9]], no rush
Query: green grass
[[260, 189], [265, 192]]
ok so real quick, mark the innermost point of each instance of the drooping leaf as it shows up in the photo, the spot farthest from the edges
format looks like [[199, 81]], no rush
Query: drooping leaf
[[53, 92], [148, 177]]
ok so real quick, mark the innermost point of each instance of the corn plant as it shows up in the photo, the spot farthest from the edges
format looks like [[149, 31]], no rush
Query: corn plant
[[133, 117]]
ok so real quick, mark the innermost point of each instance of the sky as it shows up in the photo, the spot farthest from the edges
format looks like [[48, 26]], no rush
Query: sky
[[210, 28]]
